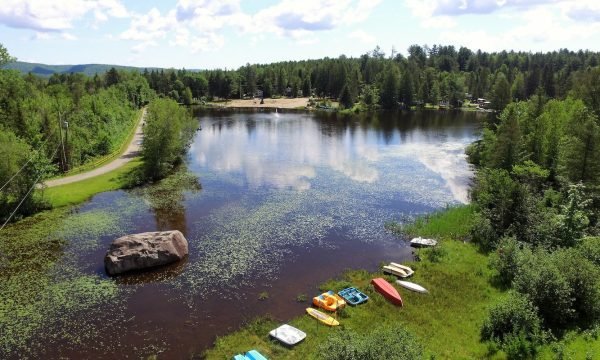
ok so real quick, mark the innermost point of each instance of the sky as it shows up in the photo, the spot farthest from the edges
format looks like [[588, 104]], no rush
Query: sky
[[208, 34]]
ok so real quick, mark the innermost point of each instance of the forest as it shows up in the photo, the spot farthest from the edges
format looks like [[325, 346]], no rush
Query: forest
[[427, 75]]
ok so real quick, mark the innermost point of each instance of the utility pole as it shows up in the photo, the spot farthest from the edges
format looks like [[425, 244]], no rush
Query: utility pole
[[67, 139], [63, 158]]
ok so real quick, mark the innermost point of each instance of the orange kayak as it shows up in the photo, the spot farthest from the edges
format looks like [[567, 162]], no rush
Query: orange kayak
[[387, 290]]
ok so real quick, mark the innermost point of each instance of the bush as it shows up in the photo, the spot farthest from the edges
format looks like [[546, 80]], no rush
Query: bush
[[541, 280], [482, 233], [584, 281], [514, 317], [506, 260], [590, 249], [519, 347], [385, 342]]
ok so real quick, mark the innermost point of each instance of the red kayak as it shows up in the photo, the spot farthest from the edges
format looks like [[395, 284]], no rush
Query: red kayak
[[387, 290]]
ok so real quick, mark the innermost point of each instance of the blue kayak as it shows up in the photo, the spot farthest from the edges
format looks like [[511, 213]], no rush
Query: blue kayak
[[250, 355], [353, 296]]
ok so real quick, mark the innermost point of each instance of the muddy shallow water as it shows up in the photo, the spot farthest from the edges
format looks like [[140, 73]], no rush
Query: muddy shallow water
[[284, 202]]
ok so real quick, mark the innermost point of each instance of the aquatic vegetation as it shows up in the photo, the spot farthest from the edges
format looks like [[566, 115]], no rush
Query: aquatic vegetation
[[40, 291]]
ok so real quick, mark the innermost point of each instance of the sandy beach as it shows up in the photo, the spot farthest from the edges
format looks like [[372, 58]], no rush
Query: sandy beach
[[283, 103]]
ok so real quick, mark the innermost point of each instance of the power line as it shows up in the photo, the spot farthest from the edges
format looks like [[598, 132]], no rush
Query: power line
[[26, 195], [28, 161]]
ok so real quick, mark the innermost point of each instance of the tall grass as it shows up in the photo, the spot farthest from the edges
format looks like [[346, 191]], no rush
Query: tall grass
[[451, 223]]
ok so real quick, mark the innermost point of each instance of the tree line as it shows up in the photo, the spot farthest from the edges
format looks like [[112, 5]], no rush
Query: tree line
[[427, 75]]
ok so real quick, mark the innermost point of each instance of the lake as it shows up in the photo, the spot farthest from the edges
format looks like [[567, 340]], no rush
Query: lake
[[272, 205]]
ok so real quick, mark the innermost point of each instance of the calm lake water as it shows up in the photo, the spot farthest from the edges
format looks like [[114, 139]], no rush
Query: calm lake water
[[286, 201]]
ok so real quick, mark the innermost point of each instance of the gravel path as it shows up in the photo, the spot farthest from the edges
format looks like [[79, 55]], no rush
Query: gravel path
[[129, 154]]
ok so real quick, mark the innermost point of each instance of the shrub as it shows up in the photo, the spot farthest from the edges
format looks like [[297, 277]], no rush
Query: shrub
[[590, 249], [482, 232], [385, 342], [541, 280], [584, 281], [506, 260], [519, 347], [515, 316]]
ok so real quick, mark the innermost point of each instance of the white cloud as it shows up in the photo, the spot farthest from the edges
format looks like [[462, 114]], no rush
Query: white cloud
[[363, 37], [461, 7], [536, 29], [150, 26], [289, 16], [194, 24], [141, 47], [199, 24], [45, 15], [68, 36]]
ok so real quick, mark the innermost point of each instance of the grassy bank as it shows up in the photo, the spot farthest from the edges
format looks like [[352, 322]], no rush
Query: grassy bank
[[78, 192], [446, 321]]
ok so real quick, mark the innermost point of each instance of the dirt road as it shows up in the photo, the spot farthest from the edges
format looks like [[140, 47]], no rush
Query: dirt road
[[131, 152]]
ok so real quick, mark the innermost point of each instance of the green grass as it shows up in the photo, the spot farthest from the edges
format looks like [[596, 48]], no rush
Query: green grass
[[77, 192], [451, 223], [574, 345]]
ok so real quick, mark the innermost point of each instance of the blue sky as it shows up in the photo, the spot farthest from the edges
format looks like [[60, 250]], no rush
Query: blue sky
[[230, 33]]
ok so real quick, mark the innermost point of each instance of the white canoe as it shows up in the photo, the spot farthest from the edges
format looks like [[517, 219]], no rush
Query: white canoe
[[411, 286], [406, 269], [395, 271], [288, 335], [422, 242]]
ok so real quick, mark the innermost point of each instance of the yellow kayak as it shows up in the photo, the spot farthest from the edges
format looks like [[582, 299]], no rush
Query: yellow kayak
[[325, 319]]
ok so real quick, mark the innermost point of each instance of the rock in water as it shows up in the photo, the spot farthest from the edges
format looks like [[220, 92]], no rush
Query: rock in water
[[145, 250]]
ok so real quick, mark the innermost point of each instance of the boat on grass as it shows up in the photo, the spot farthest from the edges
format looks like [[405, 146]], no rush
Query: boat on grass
[[250, 355], [387, 290], [412, 286], [329, 301], [407, 270], [353, 296], [324, 318], [395, 271], [288, 335], [422, 242], [340, 300]]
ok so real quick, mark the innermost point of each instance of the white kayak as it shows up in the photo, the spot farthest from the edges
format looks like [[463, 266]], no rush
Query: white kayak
[[288, 335], [422, 242], [406, 269], [395, 271], [411, 286]]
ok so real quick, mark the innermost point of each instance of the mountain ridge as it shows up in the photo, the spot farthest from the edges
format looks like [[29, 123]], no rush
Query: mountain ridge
[[46, 70]]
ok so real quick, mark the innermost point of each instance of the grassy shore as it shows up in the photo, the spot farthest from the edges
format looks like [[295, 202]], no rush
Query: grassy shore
[[78, 192], [446, 321]]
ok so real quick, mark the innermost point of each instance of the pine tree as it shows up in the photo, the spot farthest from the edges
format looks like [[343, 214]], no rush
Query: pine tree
[[346, 99], [389, 88]]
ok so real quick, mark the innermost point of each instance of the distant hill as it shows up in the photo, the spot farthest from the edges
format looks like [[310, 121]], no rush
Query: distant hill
[[88, 69]]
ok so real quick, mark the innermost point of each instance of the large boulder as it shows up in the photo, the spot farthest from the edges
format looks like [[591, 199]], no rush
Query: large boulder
[[145, 250]]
